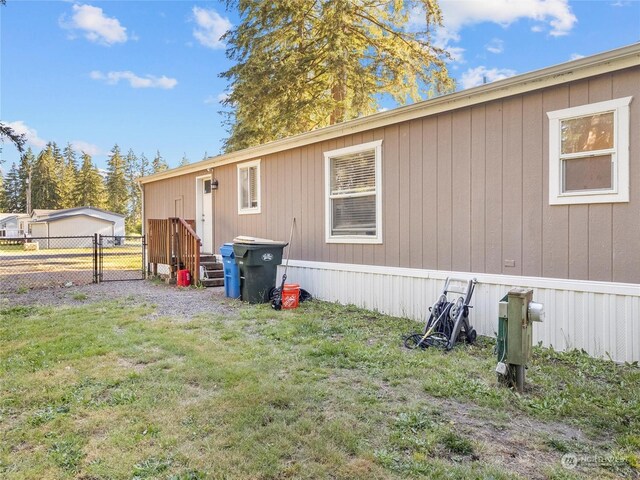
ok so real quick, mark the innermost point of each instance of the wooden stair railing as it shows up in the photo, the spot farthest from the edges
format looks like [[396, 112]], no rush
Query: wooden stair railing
[[173, 242]]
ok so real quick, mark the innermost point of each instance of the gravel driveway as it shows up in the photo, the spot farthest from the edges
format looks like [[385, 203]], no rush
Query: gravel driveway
[[169, 300]]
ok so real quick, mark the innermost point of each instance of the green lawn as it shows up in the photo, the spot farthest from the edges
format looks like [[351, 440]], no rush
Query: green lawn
[[101, 390]]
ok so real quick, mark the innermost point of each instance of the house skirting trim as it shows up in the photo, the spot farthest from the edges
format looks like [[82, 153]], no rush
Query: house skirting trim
[[602, 318]]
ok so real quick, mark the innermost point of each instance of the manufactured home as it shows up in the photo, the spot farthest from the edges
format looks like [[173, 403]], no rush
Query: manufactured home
[[531, 181]]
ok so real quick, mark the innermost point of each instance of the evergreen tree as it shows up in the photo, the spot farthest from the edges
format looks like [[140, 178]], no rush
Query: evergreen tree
[[311, 63], [27, 161], [116, 183], [159, 164], [69, 171], [132, 167], [89, 189], [12, 202], [143, 166], [3, 196], [184, 161], [45, 180]]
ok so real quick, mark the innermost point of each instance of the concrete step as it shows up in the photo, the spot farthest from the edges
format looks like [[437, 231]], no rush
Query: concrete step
[[212, 282]]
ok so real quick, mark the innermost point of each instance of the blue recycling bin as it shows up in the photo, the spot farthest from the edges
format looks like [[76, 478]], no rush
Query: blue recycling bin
[[231, 271]]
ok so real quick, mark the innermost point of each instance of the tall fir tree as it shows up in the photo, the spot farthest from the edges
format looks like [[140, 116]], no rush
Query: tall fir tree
[[184, 161], [69, 171], [306, 64], [45, 178], [143, 166], [89, 189], [3, 196], [12, 201], [116, 183], [132, 167], [27, 162], [159, 164]]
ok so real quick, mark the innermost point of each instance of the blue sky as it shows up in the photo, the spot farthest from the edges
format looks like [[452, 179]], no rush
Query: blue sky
[[144, 74]]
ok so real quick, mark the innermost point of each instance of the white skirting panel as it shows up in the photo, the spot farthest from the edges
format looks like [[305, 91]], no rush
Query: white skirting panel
[[602, 318]]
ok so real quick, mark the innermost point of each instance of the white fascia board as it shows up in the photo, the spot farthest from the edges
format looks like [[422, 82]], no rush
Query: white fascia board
[[566, 72]]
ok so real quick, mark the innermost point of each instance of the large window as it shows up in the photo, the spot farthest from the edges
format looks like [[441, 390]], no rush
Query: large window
[[249, 187], [353, 199], [589, 153]]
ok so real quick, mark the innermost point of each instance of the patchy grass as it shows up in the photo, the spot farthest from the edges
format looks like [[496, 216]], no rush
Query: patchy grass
[[97, 390]]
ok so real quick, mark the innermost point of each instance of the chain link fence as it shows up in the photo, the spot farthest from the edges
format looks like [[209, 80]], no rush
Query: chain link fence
[[39, 262]]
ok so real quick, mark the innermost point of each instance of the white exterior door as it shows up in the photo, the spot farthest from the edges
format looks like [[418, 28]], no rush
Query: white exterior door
[[204, 213]]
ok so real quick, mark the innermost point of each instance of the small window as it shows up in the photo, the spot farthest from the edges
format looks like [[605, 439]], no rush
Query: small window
[[249, 187], [353, 199], [207, 186], [589, 153]]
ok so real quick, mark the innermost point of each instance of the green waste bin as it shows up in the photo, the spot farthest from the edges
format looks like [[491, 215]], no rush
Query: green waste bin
[[258, 264]]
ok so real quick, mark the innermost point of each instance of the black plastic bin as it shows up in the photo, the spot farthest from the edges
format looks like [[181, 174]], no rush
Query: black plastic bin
[[258, 264]]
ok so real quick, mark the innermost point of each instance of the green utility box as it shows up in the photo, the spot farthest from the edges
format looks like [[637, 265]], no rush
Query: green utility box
[[258, 265], [517, 312]]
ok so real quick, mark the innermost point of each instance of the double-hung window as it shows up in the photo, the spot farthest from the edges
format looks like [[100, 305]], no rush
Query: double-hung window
[[589, 153], [353, 194], [249, 187]]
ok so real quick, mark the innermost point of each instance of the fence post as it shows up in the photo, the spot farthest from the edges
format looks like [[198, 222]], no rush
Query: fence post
[[95, 258]]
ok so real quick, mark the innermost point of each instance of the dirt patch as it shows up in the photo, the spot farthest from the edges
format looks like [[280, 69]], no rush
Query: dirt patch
[[165, 300]]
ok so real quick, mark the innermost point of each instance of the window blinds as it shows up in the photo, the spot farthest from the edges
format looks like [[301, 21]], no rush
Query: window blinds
[[353, 194]]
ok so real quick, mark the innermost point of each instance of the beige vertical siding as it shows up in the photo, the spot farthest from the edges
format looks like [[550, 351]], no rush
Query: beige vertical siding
[[465, 190], [166, 198]]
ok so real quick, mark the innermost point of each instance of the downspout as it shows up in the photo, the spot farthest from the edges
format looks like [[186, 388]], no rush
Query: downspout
[[213, 216], [146, 267], [142, 212]]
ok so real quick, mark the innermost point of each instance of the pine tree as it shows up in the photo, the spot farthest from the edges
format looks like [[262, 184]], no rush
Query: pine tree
[[89, 189], [44, 178], [143, 166], [3, 196], [132, 167], [184, 161], [159, 164], [12, 202], [311, 63], [27, 162], [116, 183], [69, 171]]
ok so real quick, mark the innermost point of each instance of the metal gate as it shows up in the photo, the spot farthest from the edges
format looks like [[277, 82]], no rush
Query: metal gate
[[119, 258], [37, 262]]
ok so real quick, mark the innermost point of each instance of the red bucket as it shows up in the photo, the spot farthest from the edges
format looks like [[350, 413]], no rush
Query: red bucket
[[290, 296], [184, 278]]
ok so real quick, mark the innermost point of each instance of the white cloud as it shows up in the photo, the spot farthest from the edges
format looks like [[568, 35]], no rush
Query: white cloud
[[210, 27], [95, 25], [576, 56], [31, 134], [148, 81], [495, 46], [221, 97], [460, 13], [480, 75], [86, 147]]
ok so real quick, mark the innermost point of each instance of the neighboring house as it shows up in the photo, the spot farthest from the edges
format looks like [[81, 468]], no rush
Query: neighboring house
[[13, 225], [532, 181], [74, 222]]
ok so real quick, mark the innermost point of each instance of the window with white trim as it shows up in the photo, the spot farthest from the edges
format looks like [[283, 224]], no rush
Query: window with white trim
[[589, 153], [249, 187], [353, 194]]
